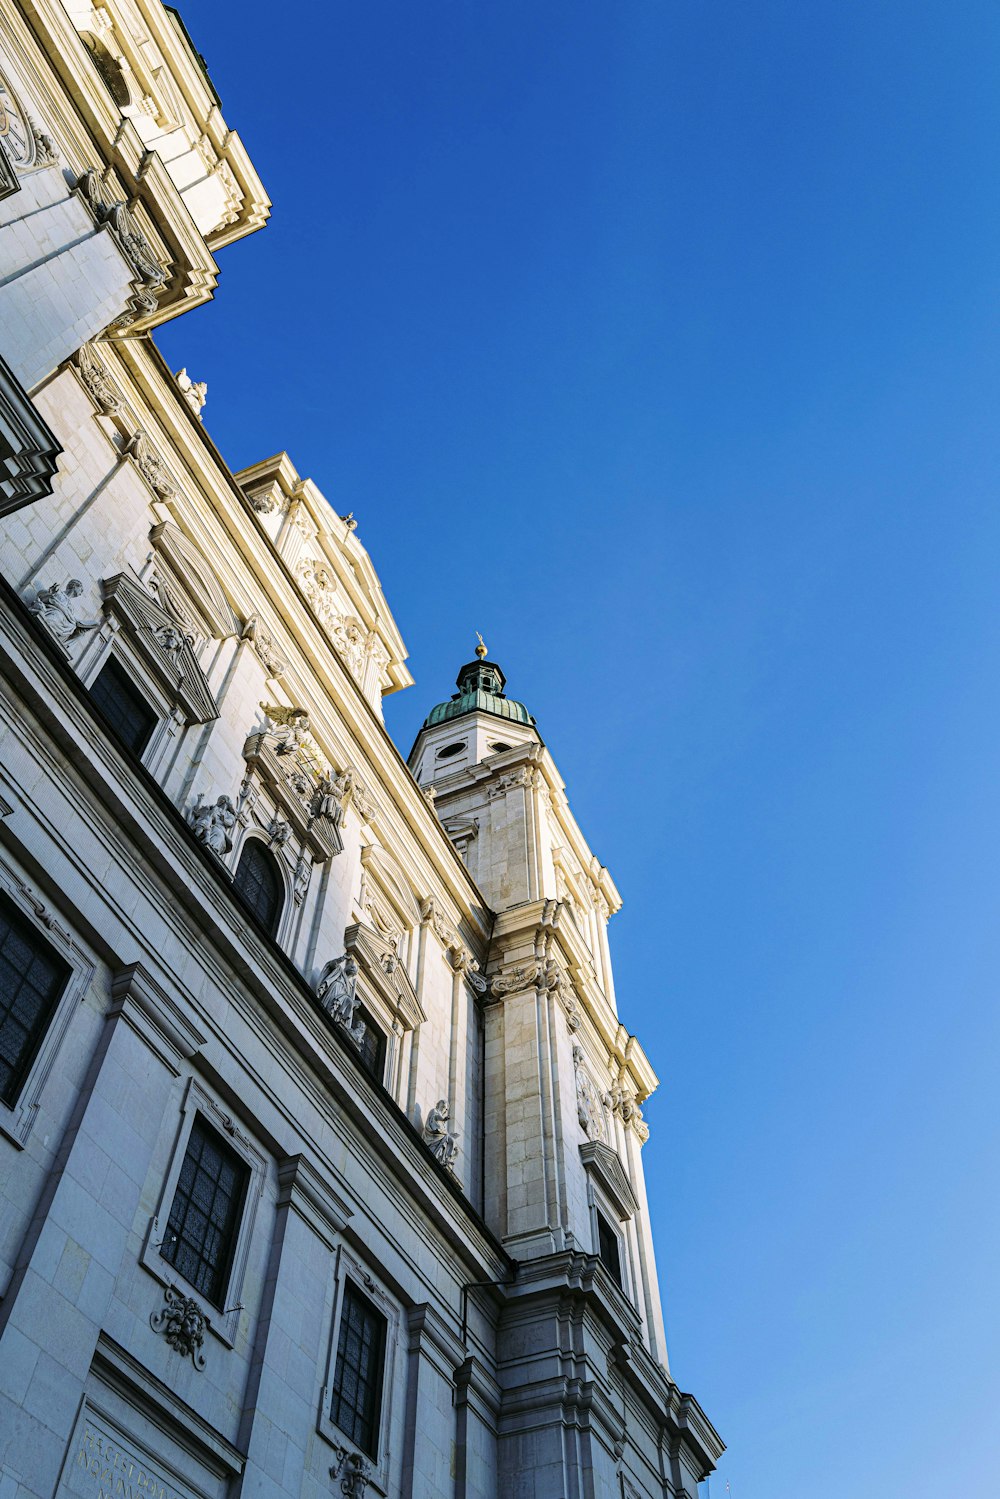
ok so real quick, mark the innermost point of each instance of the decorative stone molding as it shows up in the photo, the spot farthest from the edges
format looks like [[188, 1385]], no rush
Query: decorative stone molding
[[589, 1107], [351, 1472], [151, 466], [264, 647], [319, 587], [46, 151], [457, 953], [605, 1165], [544, 974], [195, 577], [28, 449], [97, 380], [309, 795], [524, 776], [183, 1324], [165, 648], [442, 1142], [385, 977], [150, 275]]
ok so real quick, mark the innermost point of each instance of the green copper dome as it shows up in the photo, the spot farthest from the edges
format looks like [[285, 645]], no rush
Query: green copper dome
[[480, 690]]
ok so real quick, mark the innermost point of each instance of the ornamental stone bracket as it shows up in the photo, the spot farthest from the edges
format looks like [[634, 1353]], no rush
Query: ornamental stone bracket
[[458, 954], [149, 276], [183, 1324], [351, 1473]]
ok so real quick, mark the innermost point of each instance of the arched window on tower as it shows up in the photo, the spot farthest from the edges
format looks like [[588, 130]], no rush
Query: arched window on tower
[[258, 884]]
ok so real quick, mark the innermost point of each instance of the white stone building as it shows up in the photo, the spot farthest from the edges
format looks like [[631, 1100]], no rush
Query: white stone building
[[320, 1135]]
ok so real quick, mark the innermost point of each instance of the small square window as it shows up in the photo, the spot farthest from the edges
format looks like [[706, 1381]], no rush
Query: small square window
[[609, 1249], [122, 706], [32, 980], [205, 1216], [356, 1406]]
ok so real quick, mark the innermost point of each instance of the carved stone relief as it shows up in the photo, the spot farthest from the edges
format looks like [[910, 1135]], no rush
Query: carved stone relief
[[97, 380], [264, 647], [589, 1108], [183, 1324], [351, 1471]]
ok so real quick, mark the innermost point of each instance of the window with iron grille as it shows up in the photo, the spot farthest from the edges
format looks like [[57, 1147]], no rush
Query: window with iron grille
[[122, 706], [357, 1382], [32, 978], [609, 1249], [205, 1216], [258, 884]]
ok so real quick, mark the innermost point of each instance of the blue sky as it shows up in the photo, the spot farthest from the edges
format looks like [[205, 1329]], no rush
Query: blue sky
[[657, 339]]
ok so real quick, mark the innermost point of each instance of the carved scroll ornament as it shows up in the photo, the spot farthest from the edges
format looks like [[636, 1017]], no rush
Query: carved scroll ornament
[[183, 1324]]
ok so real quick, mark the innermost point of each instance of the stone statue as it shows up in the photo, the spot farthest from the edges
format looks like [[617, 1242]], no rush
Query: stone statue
[[56, 607], [333, 792], [335, 992], [195, 392], [213, 825], [290, 726], [443, 1143]]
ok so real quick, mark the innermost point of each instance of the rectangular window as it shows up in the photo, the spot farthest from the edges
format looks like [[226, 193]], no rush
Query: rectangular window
[[32, 978], [372, 1045], [205, 1216], [123, 707], [609, 1250], [357, 1380]]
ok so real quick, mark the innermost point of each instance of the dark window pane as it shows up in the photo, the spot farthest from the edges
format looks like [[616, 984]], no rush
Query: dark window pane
[[32, 977], [258, 884], [357, 1381], [608, 1249], [204, 1219], [372, 1045], [123, 707]]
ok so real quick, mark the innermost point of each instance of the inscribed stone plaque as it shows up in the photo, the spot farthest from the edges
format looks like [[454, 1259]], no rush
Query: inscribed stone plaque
[[100, 1464]]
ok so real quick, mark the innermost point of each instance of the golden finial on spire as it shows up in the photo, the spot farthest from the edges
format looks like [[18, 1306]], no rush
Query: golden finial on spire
[[481, 647]]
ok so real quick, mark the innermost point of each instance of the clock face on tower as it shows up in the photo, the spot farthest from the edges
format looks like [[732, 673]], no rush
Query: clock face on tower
[[15, 131]]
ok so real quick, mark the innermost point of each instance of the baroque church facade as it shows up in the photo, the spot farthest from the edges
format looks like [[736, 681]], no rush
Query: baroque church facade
[[320, 1134]]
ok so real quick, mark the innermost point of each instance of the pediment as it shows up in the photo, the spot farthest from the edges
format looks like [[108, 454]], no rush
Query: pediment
[[196, 577], [384, 971], [605, 1164], [164, 647]]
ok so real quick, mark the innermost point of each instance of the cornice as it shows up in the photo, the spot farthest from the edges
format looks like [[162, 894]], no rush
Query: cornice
[[413, 825], [196, 884]]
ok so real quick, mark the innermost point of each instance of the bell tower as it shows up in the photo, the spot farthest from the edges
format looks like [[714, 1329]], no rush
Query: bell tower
[[564, 1079]]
